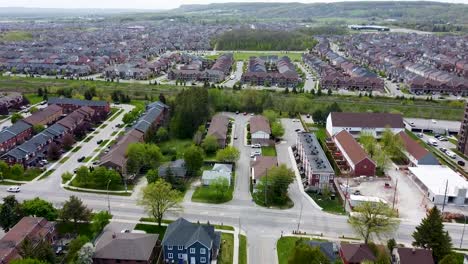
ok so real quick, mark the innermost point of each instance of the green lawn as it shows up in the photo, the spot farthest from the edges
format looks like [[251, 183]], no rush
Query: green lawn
[[152, 229], [328, 205], [63, 160], [5, 182], [82, 229], [91, 185], [28, 175], [227, 249], [75, 149], [16, 36], [33, 98], [285, 247], [47, 174], [242, 249], [174, 147], [204, 194], [269, 151]]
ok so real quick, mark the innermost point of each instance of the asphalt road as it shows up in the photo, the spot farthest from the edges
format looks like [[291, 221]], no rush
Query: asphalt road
[[237, 75], [263, 226], [309, 82]]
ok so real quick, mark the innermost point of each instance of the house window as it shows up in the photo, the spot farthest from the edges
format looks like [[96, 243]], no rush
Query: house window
[[169, 247], [202, 251], [192, 251], [180, 247], [202, 260], [169, 255], [179, 256]]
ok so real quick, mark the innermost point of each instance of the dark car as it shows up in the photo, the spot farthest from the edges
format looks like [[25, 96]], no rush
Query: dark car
[[99, 141], [461, 163], [81, 159]]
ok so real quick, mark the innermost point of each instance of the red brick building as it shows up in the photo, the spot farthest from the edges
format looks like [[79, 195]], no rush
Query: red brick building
[[101, 108], [356, 157], [33, 228], [14, 135], [356, 253]]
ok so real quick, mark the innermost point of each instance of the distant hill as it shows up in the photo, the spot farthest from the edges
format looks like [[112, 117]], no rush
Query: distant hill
[[27, 12], [402, 11]]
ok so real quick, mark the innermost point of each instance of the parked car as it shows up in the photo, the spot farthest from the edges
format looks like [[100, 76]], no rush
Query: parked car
[[443, 139], [256, 145], [451, 154], [237, 112], [443, 149], [14, 189], [297, 130], [235, 137], [357, 192], [461, 163], [81, 159], [245, 113], [420, 135], [99, 141]]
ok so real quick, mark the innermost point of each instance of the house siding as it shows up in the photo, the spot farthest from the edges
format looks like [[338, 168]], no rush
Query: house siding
[[364, 168], [186, 255]]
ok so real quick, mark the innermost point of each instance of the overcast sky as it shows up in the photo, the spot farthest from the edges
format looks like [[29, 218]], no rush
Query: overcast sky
[[141, 4]]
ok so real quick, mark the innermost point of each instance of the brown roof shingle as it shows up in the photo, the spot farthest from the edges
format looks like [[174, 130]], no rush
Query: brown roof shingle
[[415, 255], [261, 164], [413, 147], [39, 116], [352, 148], [259, 123], [219, 127], [356, 253], [117, 154]]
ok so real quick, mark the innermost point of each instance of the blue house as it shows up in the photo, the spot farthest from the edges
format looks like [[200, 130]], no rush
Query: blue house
[[189, 243]]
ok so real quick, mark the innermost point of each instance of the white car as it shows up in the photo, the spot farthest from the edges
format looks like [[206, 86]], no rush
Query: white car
[[14, 189], [451, 154], [256, 146]]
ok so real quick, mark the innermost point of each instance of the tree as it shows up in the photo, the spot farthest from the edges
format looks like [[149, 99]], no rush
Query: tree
[[10, 212], [198, 137], [220, 187], [158, 198], [228, 154], [53, 152], [74, 246], [306, 254], [274, 186], [373, 219], [16, 117], [100, 220], [152, 175], [85, 255], [162, 134], [162, 98], [40, 92], [27, 261], [318, 116], [193, 157], [430, 234], [38, 128], [452, 258], [68, 141], [210, 144], [392, 144], [33, 109], [271, 115], [74, 210], [16, 171], [369, 143], [391, 244], [41, 250], [39, 208], [277, 130], [142, 157]]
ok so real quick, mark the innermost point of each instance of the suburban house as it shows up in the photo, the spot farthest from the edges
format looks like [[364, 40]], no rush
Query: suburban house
[[116, 157], [354, 154], [33, 228], [260, 130], [77, 118], [186, 242], [355, 123], [329, 249], [175, 168], [156, 114], [11, 99], [313, 162], [441, 182], [14, 135], [260, 166], [411, 255], [219, 170], [193, 72], [127, 248], [356, 253], [271, 71], [46, 116], [417, 154], [219, 127], [101, 108]]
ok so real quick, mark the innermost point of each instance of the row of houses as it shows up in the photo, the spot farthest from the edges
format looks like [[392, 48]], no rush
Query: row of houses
[[217, 73], [155, 115], [425, 63], [10, 100], [280, 72]]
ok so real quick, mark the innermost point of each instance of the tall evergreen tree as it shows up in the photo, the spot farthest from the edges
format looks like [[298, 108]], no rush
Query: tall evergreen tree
[[430, 234], [10, 213]]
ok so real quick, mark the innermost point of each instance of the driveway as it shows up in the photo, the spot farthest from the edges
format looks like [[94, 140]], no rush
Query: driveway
[[309, 82], [237, 75]]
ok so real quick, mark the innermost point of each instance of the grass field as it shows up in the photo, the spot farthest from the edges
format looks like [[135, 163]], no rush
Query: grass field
[[204, 194], [285, 247], [16, 36], [152, 229], [227, 249], [82, 229], [241, 55], [174, 147], [328, 205], [33, 98], [28, 175], [242, 249], [269, 151]]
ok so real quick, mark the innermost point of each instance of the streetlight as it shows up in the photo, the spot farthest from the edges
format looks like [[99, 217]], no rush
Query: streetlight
[[300, 217], [463, 233], [108, 198]]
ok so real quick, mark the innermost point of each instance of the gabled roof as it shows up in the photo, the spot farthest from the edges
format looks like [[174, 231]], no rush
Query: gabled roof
[[262, 164], [39, 116], [357, 253], [352, 148], [126, 246], [368, 120], [219, 126], [259, 123], [412, 147], [90, 103], [414, 255], [183, 233]]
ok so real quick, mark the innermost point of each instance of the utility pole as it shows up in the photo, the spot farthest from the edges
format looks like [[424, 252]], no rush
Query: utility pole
[[266, 186], [300, 217], [394, 194], [463, 233], [108, 197], [445, 195], [346, 193]]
